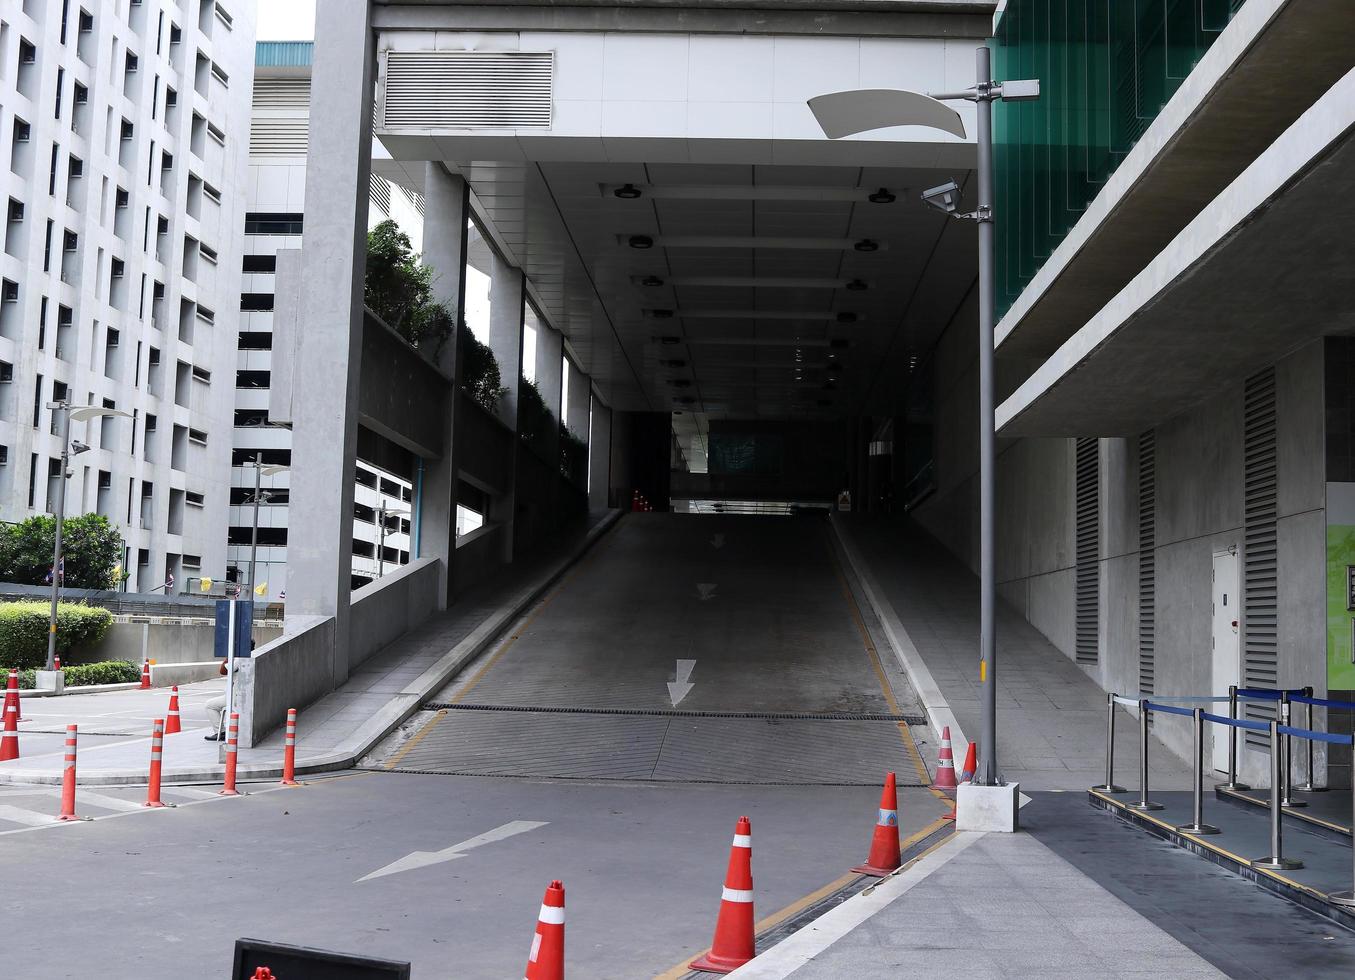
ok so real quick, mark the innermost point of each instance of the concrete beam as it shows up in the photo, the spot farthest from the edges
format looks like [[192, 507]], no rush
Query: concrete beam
[[329, 342]]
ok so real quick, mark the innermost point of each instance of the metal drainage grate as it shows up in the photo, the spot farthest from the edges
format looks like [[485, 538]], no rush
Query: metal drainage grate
[[674, 713]]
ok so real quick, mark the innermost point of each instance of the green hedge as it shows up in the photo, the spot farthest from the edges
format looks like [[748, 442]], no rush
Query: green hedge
[[83, 675], [23, 630]]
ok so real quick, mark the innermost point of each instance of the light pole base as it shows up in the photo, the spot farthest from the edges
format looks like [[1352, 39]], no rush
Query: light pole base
[[987, 808], [1112, 788], [1273, 863], [1310, 788], [49, 680], [1292, 804], [1234, 786], [1144, 806], [1345, 899], [1198, 829]]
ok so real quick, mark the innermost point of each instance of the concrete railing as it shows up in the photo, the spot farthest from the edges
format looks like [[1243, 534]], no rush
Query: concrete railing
[[387, 609]]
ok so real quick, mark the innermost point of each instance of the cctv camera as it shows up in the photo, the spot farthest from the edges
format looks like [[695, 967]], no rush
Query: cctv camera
[[945, 197]]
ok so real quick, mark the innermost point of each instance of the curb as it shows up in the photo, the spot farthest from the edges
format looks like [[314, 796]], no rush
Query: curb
[[934, 703], [383, 721], [86, 689]]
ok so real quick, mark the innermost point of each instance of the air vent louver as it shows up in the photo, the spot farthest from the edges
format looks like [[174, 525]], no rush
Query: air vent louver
[[438, 90]]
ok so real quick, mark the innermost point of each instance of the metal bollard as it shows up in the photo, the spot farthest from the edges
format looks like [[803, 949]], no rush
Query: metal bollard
[[1197, 824], [1286, 796], [1275, 860], [1143, 802], [1232, 783], [1346, 899], [1309, 786], [1109, 785]]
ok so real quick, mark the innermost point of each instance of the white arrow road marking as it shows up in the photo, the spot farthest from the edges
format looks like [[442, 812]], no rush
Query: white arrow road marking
[[705, 591], [717, 541], [678, 688], [424, 859]]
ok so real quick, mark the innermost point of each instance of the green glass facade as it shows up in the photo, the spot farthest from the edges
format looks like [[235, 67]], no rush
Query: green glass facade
[[1106, 69]]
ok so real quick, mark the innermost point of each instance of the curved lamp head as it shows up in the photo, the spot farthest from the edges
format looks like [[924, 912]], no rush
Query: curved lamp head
[[84, 413], [859, 111]]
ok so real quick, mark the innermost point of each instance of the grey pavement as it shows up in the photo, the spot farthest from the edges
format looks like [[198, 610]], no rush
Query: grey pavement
[[1051, 714]]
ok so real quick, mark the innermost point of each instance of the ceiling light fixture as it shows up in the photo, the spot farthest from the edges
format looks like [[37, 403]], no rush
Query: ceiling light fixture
[[864, 245], [882, 196], [857, 286], [660, 314], [846, 318], [644, 241], [653, 281], [629, 192]]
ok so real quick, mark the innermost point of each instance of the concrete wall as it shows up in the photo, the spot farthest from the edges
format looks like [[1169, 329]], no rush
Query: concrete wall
[[291, 672], [164, 643], [1199, 511], [391, 606]]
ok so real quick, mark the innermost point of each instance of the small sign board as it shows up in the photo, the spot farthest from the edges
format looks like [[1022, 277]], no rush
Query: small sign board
[[300, 963], [244, 623]]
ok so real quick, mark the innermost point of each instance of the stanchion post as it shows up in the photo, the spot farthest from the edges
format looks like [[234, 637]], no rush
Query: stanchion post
[[1143, 802], [1275, 860], [1309, 785], [1197, 825], [1346, 899], [1232, 783], [1109, 785], [1287, 800]]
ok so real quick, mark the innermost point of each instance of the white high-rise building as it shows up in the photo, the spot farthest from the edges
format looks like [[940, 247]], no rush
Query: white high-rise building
[[123, 127], [274, 195]]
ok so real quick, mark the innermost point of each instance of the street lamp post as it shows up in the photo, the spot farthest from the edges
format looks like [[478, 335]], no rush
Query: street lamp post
[[65, 413], [260, 496], [846, 113], [382, 514]]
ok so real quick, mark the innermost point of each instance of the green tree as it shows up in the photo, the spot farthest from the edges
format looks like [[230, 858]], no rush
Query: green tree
[[479, 370], [91, 546]]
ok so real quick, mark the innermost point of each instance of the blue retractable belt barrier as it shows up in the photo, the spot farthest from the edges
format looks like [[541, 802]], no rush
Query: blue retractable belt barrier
[[1255, 726], [1315, 736], [1169, 709], [1259, 694], [1322, 702], [1190, 699]]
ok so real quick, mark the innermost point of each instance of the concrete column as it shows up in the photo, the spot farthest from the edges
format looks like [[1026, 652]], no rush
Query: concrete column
[[325, 420], [507, 294], [446, 206], [580, 391], [599, 455], [549, 350]]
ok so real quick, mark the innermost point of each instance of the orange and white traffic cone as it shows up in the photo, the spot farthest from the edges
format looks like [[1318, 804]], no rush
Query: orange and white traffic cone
[[945, 763], [145, 676], [546, 961], [289, 751], [733, 945], [884, 844], [172, 725], [56, 661], [68, 777], [12, 695], [971, 763], [232, 743], [9, 739], [157, 751]]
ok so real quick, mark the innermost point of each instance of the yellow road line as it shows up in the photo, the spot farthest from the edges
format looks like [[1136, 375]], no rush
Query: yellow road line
[[882, 679], [395, 760]]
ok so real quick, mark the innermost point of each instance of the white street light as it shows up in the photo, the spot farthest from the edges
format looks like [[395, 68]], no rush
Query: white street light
[[65, 412], [382, 514], [847, 113]]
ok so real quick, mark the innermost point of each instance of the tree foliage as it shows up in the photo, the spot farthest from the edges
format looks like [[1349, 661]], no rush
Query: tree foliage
[[90, 545], [536, 422], [479, 370]]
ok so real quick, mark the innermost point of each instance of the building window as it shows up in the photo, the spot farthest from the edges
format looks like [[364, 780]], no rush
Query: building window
[[256, 302], [197, 436], [272, 224], [261, 263]]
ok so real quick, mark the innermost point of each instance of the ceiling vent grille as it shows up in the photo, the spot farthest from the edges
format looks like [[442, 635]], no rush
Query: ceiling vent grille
[[437, 90], [1260, 556], [1147, 561], [278, 137]]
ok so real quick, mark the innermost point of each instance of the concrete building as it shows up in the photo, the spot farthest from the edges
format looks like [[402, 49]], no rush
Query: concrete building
[[274, 196], [124, 131]]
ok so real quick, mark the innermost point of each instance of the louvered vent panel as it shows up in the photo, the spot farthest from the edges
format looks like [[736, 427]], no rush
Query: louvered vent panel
[[1147, 559], [277, 137], [1088, 587], [1260, 564], [282, 93], [381, 194], [416, 200], [433, 90]]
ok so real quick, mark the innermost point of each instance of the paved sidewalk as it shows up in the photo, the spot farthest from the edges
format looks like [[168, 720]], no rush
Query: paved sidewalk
[[332, 733], [1051, 714]]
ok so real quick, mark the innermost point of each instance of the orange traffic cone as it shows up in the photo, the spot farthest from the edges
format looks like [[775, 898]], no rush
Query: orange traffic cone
[[971, 763], [56, 661], [145, 676], [68, 777], [884, 845], [546, 961], [945, 764], [733, 945], [9, 739], [172, 719], [12, 695]]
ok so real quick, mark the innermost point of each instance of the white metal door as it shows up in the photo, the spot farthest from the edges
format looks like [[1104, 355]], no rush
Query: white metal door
[[1226, 644]]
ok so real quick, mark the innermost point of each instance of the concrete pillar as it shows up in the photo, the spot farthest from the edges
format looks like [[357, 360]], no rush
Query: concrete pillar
[[507, 294], [580, 391], [599, 455], [325, 420], [549, 350], [446, 206]]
